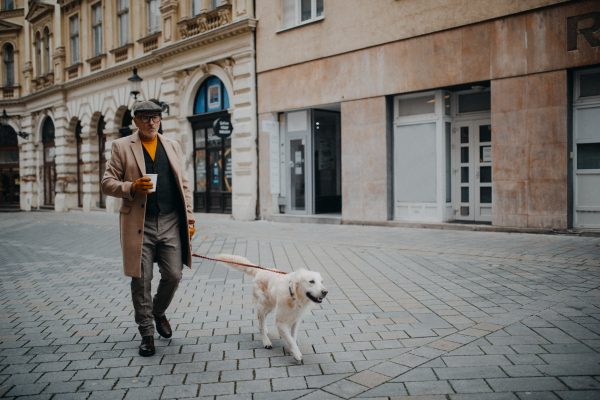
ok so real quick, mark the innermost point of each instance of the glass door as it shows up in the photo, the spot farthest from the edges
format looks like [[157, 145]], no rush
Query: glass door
[[298, 153], [473, 161]]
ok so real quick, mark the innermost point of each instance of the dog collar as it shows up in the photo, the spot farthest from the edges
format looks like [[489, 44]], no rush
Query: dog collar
[[290, 289]]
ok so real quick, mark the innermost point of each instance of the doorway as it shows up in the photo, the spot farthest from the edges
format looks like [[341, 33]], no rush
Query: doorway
[[313, 151], [9, 167], [213, 182], [472, 145], [49, 162]]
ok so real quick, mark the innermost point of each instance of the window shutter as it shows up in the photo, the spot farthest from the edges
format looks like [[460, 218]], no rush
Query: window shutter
[[289, 13]]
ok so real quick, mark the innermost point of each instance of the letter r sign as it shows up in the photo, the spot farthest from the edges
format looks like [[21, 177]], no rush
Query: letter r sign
[[591, 23]]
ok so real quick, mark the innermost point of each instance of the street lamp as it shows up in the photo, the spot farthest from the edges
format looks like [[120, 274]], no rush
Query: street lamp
[[5, 119], [134, 90], [134, 86]]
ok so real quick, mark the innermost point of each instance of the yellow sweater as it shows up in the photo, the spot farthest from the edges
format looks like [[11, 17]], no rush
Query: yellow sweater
[[150, 146]]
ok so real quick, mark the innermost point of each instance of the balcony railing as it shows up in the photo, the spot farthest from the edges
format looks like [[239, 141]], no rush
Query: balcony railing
[[10, 92], [150, 42], [205, 22]]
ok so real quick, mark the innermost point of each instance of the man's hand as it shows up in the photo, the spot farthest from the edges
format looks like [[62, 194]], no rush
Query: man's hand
[[192, 229], [142, 186]]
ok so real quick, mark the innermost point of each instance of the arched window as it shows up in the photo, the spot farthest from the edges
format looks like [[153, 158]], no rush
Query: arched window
[[212, 153], [47, 52], [127, 121], [49, 161], [38, 61], [212, 96], [9, 66]]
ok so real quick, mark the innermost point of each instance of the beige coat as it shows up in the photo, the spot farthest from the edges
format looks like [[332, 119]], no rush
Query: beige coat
[[127, 165]]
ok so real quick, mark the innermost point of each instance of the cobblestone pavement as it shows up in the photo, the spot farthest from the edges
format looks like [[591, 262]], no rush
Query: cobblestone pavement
[[411, 312]]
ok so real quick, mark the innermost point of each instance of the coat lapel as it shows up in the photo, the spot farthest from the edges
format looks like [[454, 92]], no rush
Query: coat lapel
[[136, 146], [170, 155]]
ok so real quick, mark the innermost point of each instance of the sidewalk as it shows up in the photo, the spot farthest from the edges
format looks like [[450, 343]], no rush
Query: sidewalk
[[419, 312]]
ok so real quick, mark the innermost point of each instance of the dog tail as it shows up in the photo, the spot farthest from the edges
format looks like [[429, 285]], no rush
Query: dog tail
[[228, 259]]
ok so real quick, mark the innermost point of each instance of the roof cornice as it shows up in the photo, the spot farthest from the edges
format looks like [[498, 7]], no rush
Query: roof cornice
[[156, 56]]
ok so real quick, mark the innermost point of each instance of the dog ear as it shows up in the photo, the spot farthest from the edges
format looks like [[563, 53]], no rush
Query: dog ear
[[294, 285]]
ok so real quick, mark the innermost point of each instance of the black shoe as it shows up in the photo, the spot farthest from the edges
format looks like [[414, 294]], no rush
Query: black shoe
[[147, 346], [163, 327]]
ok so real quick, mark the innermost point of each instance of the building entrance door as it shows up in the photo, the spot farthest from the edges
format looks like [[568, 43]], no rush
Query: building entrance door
[[472, 147], [9, 167], [298, 172], [212, 166]]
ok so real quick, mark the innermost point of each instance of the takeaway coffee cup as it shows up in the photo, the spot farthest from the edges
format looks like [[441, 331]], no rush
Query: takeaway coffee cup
[[153, 179]]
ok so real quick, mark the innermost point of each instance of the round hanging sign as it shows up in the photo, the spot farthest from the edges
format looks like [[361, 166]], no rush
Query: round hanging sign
[[222, 127]]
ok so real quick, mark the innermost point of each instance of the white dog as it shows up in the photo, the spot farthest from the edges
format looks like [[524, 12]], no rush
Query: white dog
[[292, 295]]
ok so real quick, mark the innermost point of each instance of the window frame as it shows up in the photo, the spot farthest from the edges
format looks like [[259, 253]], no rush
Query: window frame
[[124, 38], [9, 64], [39, 45], [4, 6], [97, 31], [149, 30], [74, 39], [47, 65], [298, 14]]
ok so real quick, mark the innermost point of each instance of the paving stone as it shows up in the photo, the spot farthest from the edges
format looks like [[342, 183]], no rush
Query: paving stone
[[430, 387], [214, 389], [525, 384], [345, 388], [255, 386], [180, 391], [288, 383], [580, 382], [470, 386], [118, 394], [150, 393]]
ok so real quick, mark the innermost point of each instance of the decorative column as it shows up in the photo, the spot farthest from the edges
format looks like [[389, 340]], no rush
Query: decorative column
[[243, 146], [112, 134], [89, 156], [66, 162], [27, 165], [168, 11]]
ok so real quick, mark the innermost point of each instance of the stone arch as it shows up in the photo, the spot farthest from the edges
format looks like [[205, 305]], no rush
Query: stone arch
[[197, 78]]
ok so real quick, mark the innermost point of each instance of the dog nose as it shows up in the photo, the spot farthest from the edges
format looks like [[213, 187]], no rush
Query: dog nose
[[325, 292]]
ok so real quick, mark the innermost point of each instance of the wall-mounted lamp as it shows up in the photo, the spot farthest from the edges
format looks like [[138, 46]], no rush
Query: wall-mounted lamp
[[5, 119]]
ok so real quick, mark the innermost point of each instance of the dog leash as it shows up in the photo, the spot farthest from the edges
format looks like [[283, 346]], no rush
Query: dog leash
[[238, 263]]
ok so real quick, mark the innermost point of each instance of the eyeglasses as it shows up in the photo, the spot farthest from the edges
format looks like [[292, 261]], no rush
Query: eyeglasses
[[145, 120]]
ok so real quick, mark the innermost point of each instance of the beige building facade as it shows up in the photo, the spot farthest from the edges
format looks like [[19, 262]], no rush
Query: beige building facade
[[430, 111], [71, 95]]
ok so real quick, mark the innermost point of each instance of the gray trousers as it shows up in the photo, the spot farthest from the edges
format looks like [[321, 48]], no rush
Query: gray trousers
[[162, 244]]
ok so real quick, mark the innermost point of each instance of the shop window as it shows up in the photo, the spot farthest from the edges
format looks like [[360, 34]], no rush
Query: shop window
[[153, 15], [123, 17], [298, 12], [74, 22], [474, 102], [9, 166], [9, 66], [97, 28], [212, 96]]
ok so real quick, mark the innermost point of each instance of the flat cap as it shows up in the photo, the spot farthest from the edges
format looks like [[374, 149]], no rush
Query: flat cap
[[146, 106]]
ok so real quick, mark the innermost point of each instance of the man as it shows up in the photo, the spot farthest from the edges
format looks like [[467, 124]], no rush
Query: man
[[154, 225]]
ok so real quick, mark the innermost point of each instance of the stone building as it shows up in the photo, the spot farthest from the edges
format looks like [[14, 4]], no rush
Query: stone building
[[71, 60], [411, 111]]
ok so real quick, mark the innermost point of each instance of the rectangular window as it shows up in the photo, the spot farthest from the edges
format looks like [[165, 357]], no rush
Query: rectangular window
[[97, 28], [196, 7], [9, 5], [416, 106], [123, 16], [215, 3], [297, 12], [47, 53], [153, 16], [74, 39]]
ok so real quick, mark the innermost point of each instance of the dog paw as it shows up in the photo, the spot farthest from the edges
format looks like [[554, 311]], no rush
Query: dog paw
[[297, 356], [268, 346]]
